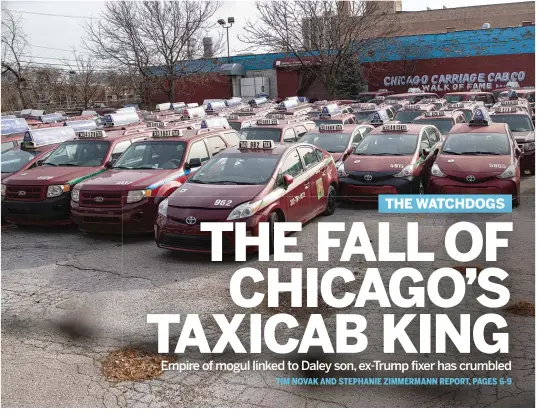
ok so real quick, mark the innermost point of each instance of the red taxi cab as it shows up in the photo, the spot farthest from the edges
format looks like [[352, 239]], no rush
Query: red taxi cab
[[410, 112], [477, 158], [522, 128], [528, 93], [468, 108], [35, 148], [279, 130], [125, 197], [413, 97], [514, 100], [238, 122], [392, 159], [12, 133], [443, 120], [41, 195], [337, 139], [332, 114], [255, 182], [439, 103]]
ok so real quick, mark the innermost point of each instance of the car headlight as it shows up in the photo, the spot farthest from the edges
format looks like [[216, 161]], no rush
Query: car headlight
[[436, 171], [342, 171], [55, 191], [528, 146], [75, 195], [3, 190], [137, 195], [244, 210], [406, 171], [163, 208], [508, 173]]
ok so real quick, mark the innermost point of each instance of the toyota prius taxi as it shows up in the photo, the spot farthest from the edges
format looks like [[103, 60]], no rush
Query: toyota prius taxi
[[255, 182], [392, 159], [478, 158]]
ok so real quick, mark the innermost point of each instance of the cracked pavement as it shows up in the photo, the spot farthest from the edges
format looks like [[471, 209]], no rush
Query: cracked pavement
[[68, 299]]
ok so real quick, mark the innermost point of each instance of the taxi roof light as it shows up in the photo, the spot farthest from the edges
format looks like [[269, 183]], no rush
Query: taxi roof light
[[379, 117], [480, 118], [91, 134], [382, 89], [510, 102], [167, 133], [434, 113], [395, 127], [214, 122], [267, 121], [277, 116], [256, 144], [156, 124], [232, 117], [412, 107], [455, 105], [42, 137], [507, 109], [331, 127]]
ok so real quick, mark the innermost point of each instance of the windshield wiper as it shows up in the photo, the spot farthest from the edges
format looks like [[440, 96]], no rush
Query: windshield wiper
[[197, 181], [50, 164], [486, 153], [452, 152], [123, 167], [68, 164], [387, 154]]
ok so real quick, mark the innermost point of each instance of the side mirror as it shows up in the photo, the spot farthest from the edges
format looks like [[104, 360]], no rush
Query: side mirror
[[194, 162], [109, 164], [288, 180], [425, 152], [518, 152]]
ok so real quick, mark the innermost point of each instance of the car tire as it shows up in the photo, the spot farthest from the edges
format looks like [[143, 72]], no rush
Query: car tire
[[331, 201], [272, 219]]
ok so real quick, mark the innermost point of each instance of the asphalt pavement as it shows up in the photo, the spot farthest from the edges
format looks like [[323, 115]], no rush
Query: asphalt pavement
[[68, 299]]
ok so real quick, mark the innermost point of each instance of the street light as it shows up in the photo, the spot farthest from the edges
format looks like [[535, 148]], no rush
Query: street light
[[231, 21]]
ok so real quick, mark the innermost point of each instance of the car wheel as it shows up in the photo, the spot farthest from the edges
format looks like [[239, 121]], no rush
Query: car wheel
[[272, 219], [331, 201]]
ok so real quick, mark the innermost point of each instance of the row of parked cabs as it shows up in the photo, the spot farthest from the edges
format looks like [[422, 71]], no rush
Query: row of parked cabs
[[169, 170]]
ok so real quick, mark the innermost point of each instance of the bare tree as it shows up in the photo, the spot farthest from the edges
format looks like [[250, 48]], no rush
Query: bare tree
[[328, 38], [85, 80], [14, 46], [154, 39]]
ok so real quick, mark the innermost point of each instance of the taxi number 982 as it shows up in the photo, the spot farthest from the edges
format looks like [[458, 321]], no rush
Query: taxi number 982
[[223, 202]]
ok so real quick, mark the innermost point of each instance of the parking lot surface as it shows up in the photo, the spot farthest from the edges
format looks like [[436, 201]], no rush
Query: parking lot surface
[[68, 299]]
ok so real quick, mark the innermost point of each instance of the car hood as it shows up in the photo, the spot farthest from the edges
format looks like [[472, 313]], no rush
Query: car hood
[[4, 175], [523, 136], [48, 175], [204, 195], [114, 180], [479, 166], [376, 163]]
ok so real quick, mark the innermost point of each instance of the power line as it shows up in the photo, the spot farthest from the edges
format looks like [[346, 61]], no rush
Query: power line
[[53, 48], [50, 14]]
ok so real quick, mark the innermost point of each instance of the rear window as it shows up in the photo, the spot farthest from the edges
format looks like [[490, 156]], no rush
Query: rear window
[[407, 116], [516, 123], [443, 124], [320, 121], [454, 98], [331, 142], [476, 144], [235, 126], [253, 133], [364, 116]]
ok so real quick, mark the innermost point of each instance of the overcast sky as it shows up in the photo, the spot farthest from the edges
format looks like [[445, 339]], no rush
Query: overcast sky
[[51, 37]]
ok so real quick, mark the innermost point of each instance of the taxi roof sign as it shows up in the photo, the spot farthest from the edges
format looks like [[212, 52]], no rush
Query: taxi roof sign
[[331, 127], [121, 118], [45, 136], [513, 109], [287, 104], [267, 122], [195, 112], [232, 117], [480, 118], [193, 105], [214, 122], [395, 127], [256, 144], [277, 116], [167, 133], [379, 117], [455, 105], [510, 102], [163, 106], [156, 124], [216, 106], [14, 125], [434, 113], [258, 102], [81, 125], [91, 134], [412, 107], [51, 118]]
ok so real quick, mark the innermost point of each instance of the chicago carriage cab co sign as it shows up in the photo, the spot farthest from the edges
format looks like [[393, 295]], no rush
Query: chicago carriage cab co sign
[[457, 81]]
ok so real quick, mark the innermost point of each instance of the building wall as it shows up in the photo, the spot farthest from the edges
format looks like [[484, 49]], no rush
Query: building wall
[[215, 87], [271, 75], [463, 18]]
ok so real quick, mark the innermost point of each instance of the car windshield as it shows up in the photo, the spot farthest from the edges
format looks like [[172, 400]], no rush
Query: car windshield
[[331, 142], [443, 124], [468, 113], [321, 121], [256, 133], [387, 145], [79, 154], [237, 169], [363, 98], [364, 116], [476, 144], [7, 145], [454, 98], [407, 116], [14, 160], [515, 122], [235, 125], [159, 155]]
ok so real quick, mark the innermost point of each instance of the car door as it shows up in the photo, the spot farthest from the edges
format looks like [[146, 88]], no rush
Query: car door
[[316, 172], [296, 196], [197, 150], [288, 135]]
